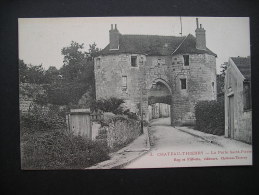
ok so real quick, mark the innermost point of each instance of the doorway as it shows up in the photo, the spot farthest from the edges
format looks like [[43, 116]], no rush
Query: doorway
[[231, 116]]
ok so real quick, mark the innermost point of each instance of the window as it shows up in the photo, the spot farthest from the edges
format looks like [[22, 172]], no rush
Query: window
[[124, 83], [183, 83], [158, 61], [186, 60], [98, 63], [247, 96], [134, 61], [212, 86]]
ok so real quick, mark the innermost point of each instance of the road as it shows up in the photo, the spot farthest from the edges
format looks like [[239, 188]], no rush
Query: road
[[174, 148]]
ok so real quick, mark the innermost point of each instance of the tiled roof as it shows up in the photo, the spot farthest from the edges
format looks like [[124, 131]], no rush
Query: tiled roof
[[155, 45], [189, 46], [244, 65]]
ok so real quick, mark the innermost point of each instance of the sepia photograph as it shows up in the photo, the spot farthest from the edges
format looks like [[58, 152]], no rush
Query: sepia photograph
[[134, 92]]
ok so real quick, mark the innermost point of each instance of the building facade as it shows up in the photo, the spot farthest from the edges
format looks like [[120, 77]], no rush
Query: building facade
[[131, 65], [238, 106]]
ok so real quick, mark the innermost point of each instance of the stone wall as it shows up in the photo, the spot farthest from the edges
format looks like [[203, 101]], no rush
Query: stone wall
[[27, 95], [121, 131], [200, 76], [109, 72]]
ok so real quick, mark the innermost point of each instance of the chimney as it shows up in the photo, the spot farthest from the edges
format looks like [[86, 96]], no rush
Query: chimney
[[200, 36], [114, 38]]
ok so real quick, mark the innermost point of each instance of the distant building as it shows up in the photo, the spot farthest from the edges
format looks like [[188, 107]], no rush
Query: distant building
[[130, 65], [238, 107]]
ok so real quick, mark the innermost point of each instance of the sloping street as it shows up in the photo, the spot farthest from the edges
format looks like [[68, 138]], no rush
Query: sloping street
[[183, 147]]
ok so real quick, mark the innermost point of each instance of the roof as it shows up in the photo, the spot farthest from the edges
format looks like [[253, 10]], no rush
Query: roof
[[156, 45], [189, 46], [244, 66]]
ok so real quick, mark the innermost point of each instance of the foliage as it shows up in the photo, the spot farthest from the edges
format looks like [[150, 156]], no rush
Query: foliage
[[210, 116], [59, 150], [42, 119], [129, 114], [67, 85], [52, 75], [30, 73], [220, 84], [65, 93], [46, 143], [108, 105], [78, 64], [223, 68], [221, 78]]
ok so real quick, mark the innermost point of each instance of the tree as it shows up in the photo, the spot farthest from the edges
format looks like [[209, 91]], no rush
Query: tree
[[221, 78], [93, 50], [31, 73], [52, 74], [23, 69], [74, 61], [78, 75], [223, 68]]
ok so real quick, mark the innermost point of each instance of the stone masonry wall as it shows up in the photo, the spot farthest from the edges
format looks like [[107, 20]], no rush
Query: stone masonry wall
[[121, 131], [109, 78], [200, 76]]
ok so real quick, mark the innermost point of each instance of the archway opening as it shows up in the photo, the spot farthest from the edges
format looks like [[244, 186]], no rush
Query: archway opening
[[159, 102]]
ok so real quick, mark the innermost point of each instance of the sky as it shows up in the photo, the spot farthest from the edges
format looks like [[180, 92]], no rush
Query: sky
[[41, 39]]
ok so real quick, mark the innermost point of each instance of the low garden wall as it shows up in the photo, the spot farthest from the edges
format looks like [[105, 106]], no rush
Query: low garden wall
[[121, 131]]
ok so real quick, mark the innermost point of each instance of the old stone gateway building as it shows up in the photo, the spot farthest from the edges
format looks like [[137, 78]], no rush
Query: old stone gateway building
[[137, 67]]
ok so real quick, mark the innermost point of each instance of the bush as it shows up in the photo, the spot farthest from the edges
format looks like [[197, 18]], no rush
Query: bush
[[108, 105], [40, 120], [58, 150], [210, 116]]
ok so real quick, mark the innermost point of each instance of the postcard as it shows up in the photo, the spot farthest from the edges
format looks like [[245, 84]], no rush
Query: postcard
[[134, 92]]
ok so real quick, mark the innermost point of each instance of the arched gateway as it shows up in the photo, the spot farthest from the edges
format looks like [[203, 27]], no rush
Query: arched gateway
[[130, 65], [159, 99]]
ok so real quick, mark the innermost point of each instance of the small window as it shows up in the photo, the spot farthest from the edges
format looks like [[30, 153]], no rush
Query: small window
[[183, 83], [98, 63], [247, 96], [212, 86], [134, 61], [186, 60], [124, 83]]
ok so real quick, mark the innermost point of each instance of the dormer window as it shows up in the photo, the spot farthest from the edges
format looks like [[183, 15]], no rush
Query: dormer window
[[134, 61], [186, 60]]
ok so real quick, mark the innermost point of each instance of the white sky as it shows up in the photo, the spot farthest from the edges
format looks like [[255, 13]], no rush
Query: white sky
[[41, 39]]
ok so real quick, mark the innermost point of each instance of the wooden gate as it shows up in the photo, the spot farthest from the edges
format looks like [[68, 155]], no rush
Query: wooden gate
[[79, 122]]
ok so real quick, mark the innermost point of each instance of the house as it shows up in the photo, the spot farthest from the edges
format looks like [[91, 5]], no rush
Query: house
[[130, 66], [238, 107]]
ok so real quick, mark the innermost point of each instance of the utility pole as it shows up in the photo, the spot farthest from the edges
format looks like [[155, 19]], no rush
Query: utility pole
[[181, 33]]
